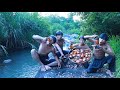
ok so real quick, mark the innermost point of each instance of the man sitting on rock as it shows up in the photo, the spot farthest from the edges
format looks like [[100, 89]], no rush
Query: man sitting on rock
[[44, 49], [59, 45]]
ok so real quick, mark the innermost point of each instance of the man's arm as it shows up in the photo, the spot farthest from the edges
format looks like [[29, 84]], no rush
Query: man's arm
[[109, 50], [37, 38], [76, 46], [59, 49], [56, 58], [89, 37]]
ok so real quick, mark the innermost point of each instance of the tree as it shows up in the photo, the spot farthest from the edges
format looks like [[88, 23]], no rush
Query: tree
[[17, 28], [98, 22]]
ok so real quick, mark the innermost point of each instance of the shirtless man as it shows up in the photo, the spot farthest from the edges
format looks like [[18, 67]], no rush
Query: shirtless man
[[59, 44], [102, 54], [82, 46], [44, 49]]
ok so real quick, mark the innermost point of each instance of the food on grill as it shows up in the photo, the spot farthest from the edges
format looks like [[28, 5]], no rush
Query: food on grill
[[80, 56]]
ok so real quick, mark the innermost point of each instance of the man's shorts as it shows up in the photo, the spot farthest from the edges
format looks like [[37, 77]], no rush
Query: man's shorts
[[45, 59]]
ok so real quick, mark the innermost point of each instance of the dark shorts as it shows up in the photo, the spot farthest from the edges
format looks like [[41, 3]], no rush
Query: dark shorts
[[45, 59], [64, 52], [98, 63]]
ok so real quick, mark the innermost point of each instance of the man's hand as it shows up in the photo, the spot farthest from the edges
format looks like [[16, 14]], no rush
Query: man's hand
[[59, 65], [37, 38], [94, 36], [63, 57], [47, 67], [110, 73], [97, 47], [43, 68]]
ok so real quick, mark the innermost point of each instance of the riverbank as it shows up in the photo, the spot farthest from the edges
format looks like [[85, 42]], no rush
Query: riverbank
[[71, 71], [21, 66]]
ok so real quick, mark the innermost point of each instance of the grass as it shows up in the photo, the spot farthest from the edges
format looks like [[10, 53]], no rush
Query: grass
[[114, 43]]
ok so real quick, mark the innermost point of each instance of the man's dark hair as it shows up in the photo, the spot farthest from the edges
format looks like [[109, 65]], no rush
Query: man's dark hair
[[82, 37], [54, 38], [59, 33], [104, 36]]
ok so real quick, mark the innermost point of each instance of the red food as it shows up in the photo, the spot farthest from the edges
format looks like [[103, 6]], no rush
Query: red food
[[97, 42], [88, 59], [78, 55], [77, 61], [89, 56], [80, 59], [81, 50], [86, 55], [84, 59], [82, 55]]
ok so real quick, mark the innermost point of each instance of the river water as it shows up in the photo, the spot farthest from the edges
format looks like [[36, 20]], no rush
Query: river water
[[21, 66]]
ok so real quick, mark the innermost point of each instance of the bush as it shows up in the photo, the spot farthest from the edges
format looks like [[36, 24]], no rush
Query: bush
[[114, 43], [17, 28]]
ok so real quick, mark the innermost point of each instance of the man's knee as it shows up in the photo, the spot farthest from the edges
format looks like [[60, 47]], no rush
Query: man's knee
[[111, 59], [65, 52], [112, 64], [33, 51], [91, 70], [86, 64]]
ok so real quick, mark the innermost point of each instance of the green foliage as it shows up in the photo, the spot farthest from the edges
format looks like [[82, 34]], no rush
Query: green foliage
[[114, 43], [73, 31], [98, 22], [17, 28], [67, 25]]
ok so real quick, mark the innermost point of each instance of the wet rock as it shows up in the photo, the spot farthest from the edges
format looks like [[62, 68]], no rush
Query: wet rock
[[7, 61], [66, 72]]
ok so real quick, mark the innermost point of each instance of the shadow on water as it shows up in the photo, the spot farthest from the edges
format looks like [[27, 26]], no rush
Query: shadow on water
[[21, 66]]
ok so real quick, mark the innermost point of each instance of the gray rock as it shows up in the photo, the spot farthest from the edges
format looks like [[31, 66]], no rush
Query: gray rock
[[7, 61]]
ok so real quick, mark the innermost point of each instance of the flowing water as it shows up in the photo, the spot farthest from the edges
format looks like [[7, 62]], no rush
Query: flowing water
[[21, 66]]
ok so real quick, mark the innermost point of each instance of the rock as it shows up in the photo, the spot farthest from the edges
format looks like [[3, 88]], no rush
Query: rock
[[7, 61], [75, 35]]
